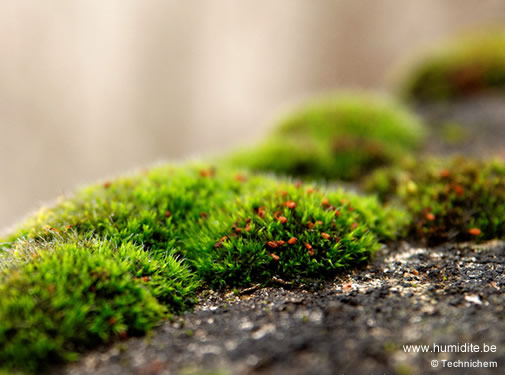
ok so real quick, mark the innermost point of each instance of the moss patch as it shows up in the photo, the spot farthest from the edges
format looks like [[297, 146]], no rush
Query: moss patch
[[461, 67], [291, 231], [340, 137], [152, 209], [117, 257], [455, 199], [72, 296]]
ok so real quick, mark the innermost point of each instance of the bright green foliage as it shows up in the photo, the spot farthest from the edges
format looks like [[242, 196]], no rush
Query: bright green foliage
[[290, 231], [340, 137], [103, 264], [455, 199], [459, 68], [153, 209], [171, 282], [72, 296]]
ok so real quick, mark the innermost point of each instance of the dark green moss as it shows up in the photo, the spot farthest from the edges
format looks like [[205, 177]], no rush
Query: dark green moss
[[340, 137], [456, 199], [461, 67]]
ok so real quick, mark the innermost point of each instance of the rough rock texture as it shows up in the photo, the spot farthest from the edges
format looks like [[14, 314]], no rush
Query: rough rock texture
[[356, 325]]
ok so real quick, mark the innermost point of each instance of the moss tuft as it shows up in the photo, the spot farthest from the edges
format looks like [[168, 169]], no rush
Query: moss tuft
[[461, 67], [72, 296], [457, 199], [151, 209], [290, 231], [340, 137]]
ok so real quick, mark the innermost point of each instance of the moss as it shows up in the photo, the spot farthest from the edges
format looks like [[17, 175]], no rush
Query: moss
[[72, 296], [460, 67], [151, 208], [341, 137], [290, 231], [456, 199], [116, 257]]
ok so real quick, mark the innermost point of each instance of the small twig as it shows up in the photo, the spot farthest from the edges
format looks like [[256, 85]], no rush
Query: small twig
[[281, 282], [249, 290]]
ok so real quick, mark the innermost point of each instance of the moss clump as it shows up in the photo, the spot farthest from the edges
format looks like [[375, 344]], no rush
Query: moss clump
[[461, 67], [103, 263], [72, 296], [292, 232], [152, 209], [340, 137], [455, 199]]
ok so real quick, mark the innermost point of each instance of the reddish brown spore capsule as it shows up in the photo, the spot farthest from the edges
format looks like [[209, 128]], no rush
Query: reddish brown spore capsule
[[475, 231], [290, 204], [292, 241], [429, 216]]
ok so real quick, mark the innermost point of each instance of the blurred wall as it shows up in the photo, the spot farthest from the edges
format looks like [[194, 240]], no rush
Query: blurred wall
[[93, 88]]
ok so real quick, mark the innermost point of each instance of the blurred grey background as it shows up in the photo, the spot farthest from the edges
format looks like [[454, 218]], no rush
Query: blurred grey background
[[93, 88]]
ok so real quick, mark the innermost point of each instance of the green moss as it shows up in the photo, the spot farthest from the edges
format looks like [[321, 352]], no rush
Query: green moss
[[103, 263], [290, 231], [116, 258], [340, 137], [455, 199], [72, 296], [460, 67], [153, 208]]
